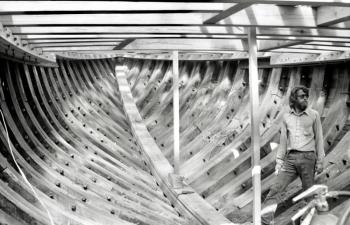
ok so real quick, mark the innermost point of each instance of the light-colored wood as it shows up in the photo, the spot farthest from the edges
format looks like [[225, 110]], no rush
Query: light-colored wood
[[123, 36], [319, 39], [227, 12], [34, 41], [187, 44], [78, 48], [290, 59], [299, 2], [76, 44], [254, 121], [123, 44], [198, 29], [329, 15], [154, 18], [48, 6], [273, 15], [267, 45]]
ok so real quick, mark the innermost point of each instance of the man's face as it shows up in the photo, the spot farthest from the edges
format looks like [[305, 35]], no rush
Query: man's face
[[302, 100]]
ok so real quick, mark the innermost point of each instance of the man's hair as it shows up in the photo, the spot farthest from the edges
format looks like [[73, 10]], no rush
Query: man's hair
[[294, 94]]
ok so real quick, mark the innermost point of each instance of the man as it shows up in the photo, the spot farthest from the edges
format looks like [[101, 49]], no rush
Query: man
[[300, 152]]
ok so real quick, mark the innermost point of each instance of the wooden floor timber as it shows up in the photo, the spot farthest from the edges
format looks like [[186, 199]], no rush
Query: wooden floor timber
[[215, 135]]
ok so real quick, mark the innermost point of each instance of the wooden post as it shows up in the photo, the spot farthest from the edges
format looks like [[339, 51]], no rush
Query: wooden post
[[176, 112], [255, 120]]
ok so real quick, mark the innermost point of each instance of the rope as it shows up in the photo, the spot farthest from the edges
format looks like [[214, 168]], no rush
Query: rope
[[21, 172]]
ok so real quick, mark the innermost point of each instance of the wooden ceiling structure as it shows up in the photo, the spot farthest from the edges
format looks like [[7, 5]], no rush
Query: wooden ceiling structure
[[287, 31]]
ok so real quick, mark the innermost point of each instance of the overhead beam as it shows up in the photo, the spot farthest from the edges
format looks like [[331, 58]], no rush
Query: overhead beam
[[266, 36], [267, 45], [81, 48], [327, 15], [227, 12], [123, 44], [255, 15], [273, 15], [36, 6], [123, 36], [187, 44], [74, 6], [69, 44], [99, 18]]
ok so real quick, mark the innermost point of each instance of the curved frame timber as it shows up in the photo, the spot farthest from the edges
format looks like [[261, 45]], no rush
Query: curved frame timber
[[185, 196], [76, 148]]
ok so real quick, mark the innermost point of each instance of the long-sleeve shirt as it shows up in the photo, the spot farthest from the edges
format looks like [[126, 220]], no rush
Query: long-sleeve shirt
[[302, 132]]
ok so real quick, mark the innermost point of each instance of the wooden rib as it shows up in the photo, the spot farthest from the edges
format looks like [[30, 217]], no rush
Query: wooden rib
[[68, 174], [268, 45], [329, 44], [176, 29], [186, 44], [127, 29], [36, 159], [88, 67], [143, 84]]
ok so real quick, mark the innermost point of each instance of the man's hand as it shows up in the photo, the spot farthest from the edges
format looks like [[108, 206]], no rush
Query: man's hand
[[278, 167], [319, 167]]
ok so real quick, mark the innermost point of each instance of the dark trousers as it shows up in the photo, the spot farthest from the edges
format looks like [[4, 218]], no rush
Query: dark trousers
[[296, 164]]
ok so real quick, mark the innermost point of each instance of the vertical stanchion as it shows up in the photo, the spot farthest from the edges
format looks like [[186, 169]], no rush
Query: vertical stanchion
[[255, 120], [176, 112]]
